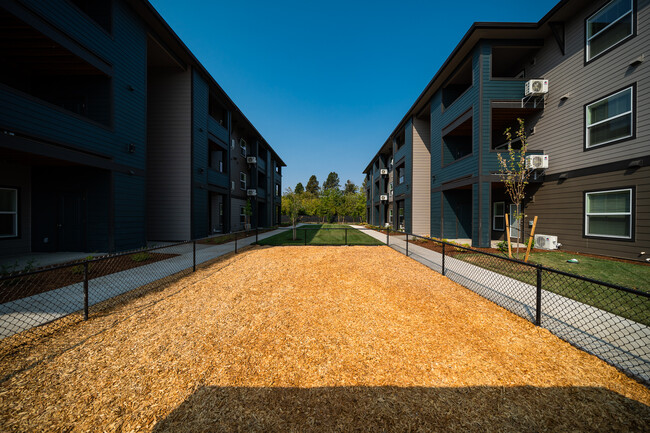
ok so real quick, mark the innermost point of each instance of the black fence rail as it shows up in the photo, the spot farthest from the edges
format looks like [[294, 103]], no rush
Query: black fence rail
[[607, 320], [77, 289]]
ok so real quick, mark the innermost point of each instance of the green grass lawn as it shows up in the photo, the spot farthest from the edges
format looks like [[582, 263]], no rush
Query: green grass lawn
[[321, 234], [630, 275]]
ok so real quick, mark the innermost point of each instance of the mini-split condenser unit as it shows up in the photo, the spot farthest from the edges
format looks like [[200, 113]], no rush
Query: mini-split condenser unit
[[546, 242], [251, 192], [534, 162], [251, 159], [383, 172], [383, 197], [536, 87]]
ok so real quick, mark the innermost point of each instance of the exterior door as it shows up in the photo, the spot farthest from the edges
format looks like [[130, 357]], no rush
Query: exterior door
[[512, 220]]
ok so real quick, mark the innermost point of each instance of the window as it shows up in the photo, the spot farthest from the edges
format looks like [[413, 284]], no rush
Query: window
[[609, 213], [611, 25], [390, 216], [610, 119], [242, 146], [242, 215], [242, 180], [8, 212], [499, 216], [277, 189], [400, 174]]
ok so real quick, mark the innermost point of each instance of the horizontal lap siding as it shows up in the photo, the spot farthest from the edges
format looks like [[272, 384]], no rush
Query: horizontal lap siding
[[168, 160], [200, 211], [559, 207], [126, 52], [130, 200], [421, 177], [560, 130]]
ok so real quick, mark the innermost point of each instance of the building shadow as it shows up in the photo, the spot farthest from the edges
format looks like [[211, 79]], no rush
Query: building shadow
[[406, 409]]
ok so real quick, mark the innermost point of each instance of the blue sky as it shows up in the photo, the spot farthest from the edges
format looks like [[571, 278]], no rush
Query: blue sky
[[325, 83]]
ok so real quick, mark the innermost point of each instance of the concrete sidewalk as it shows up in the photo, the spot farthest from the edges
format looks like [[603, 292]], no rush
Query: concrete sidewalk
[[620, 341], [22, 314]]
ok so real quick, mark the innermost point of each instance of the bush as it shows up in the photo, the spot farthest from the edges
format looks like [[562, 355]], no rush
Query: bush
[[532, 243], [79, 269], [140, 257], [502, 246]]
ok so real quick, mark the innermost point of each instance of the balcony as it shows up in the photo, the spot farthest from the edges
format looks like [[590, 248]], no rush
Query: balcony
[[217, 129], [218, 179]]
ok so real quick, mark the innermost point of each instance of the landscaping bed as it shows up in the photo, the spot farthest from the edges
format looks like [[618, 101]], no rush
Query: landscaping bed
[[29, 285], [311, 339]]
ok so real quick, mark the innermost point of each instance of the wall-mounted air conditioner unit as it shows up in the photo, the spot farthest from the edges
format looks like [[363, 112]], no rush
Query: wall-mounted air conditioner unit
[[536, 87], [546, 242], [534, 162], [383, 172], [251, 159], [251, 192], [383, 197]]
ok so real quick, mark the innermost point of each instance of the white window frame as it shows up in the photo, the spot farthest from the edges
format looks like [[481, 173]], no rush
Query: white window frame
[[14, 213], [242, 180], [588, 214], [588, 38], [242, 147], [494, 216], [609, 119]]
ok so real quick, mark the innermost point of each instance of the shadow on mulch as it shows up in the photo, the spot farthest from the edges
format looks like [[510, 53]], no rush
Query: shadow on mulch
[[391, 408], [29, 285]]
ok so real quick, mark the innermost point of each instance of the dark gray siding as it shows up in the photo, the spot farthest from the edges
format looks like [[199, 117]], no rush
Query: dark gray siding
[[169, 156], [18, 176], [560, 131], [559, 208]]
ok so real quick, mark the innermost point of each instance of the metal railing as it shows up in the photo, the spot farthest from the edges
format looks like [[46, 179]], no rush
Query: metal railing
[[37, 297]]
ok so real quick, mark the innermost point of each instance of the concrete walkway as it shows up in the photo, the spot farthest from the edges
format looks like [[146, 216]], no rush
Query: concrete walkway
[[22, 314], [620, 341]]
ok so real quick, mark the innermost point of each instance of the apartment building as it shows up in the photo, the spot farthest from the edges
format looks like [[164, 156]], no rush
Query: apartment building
[[113, 133], [580, 80]]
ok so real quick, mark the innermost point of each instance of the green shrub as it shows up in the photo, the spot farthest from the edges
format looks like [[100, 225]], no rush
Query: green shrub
[[79, 269], [140, 257], [502, 246], [532, 243]]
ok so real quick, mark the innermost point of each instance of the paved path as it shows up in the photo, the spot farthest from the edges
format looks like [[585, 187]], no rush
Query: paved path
[[22, 314], [618, 340]]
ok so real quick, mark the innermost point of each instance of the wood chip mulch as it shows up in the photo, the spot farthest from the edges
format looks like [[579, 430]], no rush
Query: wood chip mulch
[[312, 339]]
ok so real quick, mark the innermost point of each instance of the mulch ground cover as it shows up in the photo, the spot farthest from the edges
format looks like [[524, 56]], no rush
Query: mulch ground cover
[[311, 339], [25, 286]]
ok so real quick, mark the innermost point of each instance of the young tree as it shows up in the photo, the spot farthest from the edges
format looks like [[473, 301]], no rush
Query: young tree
[[349, 188], [360, 204], [299, 188], [248, 211], [291, 206], [332, 182], [312, 186], [514, 174]]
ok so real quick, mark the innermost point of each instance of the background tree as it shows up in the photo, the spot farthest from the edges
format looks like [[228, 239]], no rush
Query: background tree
[[332, 182], [349, 188], [299, 188], [291, 206], [514, 174], [312, 186]]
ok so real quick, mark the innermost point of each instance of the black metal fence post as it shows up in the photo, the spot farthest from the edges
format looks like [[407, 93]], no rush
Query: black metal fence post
[[257, 232], [346, 236], [194, 256], [443, 260], [305, 231], [235, 242], [86, 290], [538, 311], [388, 235], [407, 245]]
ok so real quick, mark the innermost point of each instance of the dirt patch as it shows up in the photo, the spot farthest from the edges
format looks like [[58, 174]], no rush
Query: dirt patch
[[25, 286], [312, 339]]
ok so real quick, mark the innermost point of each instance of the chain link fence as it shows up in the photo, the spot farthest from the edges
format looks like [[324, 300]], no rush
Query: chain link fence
[[604, 319], [77, 289]]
